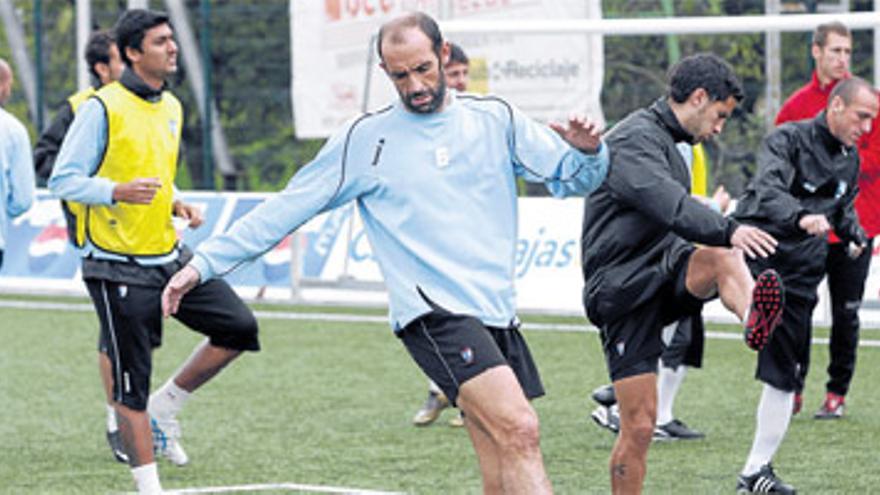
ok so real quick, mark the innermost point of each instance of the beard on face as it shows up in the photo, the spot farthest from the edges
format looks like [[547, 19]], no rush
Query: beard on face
[[437, 96]]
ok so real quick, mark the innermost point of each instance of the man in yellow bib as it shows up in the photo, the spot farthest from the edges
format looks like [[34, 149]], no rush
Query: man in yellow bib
[[116, 167]]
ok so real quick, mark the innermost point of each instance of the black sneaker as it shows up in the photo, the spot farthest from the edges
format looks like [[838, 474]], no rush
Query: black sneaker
[[604, 395], [676, 430], [765, 312], [115, 442], [607, 417], [764, 481]]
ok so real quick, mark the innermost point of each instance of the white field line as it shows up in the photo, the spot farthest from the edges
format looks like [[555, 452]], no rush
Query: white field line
[[279, 486], [354, 318], [262, 487]]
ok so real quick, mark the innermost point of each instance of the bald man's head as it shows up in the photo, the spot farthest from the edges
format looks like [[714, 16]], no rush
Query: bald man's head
[[5, 81], [392, 31]]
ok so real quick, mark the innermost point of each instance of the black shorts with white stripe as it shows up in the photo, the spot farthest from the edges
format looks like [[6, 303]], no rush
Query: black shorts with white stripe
[[131, 327], [451, 349]]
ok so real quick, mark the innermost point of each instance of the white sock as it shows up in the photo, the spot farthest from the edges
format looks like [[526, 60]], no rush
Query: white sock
[[146, 478], [111, 419], [668, 382], [168, 400], [773, 416]]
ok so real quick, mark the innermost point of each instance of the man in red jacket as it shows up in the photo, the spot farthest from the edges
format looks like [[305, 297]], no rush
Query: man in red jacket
[[831, 50]]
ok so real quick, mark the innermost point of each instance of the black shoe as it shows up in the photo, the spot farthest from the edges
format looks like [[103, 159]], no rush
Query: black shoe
[[604, 395], [764, 481], [676, 430], [607, 417], [115, 442]]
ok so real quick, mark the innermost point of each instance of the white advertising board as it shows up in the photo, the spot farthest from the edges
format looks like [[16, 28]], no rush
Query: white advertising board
[[335, 72]]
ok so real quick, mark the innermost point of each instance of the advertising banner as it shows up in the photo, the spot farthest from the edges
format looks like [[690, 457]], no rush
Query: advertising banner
[[329, 259], [335, 71]]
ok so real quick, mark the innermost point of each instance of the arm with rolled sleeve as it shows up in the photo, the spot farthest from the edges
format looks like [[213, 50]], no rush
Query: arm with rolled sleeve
[[19, 173], [81, 153], [319, 186], [540, 155]]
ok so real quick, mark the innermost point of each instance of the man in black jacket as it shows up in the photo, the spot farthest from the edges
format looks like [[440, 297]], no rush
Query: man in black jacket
[[105, 66], [641, 267], [805, 185]]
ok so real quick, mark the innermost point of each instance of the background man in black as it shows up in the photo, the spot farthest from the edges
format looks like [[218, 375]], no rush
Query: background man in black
[[105, 66], [806, 184], [640, 265]]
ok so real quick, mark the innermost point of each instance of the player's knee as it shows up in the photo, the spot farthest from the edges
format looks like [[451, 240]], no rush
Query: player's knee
[[640, 431], [241, 332], [521, 433], [246, 323]]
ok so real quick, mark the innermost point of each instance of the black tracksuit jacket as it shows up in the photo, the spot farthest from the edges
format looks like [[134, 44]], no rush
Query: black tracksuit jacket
[[802, 169], [642, 218]]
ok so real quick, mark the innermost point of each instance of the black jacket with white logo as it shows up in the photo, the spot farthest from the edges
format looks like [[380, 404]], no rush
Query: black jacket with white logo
[[639, 221], [803, 169]]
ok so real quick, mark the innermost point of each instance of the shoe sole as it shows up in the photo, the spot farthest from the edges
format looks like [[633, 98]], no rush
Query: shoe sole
[[767, 300], [424, 420]]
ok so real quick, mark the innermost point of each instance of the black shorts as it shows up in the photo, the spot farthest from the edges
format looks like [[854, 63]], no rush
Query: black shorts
[[788, 352], [451, 349], [131, 324], [686, 345], [633, 343]]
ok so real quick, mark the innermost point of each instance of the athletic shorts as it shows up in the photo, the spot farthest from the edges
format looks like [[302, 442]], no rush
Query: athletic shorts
[[685, 347], [131, 323], [787, 353], [451, 349], [633, 343]]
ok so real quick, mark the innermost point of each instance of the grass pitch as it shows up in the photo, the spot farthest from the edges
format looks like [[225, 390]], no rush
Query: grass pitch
[[329, 403]]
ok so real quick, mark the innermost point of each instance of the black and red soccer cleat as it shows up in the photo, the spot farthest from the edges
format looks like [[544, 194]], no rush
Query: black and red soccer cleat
[[765, 312]]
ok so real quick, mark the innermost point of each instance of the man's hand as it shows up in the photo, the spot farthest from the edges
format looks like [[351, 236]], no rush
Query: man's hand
[[722, 198], [139, 191], [188, 212], [753, 241], [181, 283], [815, 224], [581, 133]]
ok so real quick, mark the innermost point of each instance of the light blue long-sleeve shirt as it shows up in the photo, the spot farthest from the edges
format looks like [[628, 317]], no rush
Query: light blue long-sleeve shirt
[[17, 166], [437, 195], [73, 176]]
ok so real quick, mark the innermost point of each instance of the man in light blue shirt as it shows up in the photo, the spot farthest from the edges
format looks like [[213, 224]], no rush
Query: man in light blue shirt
[[17, 179], [434, 177]]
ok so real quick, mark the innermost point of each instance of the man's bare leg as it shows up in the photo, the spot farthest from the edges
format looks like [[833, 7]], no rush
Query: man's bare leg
[[495, 402], [137, 437], [488, 456], [637, 400], [203, 364], [722, 271]]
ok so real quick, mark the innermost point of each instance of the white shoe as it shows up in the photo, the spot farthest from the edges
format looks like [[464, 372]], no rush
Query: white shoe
[[166, 440]]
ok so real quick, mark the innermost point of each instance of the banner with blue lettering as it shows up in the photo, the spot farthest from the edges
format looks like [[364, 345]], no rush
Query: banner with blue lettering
[[329, 258]]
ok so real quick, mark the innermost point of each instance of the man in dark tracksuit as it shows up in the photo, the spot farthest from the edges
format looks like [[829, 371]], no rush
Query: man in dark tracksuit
[[105, 66], [641, 268], [805, 185]]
